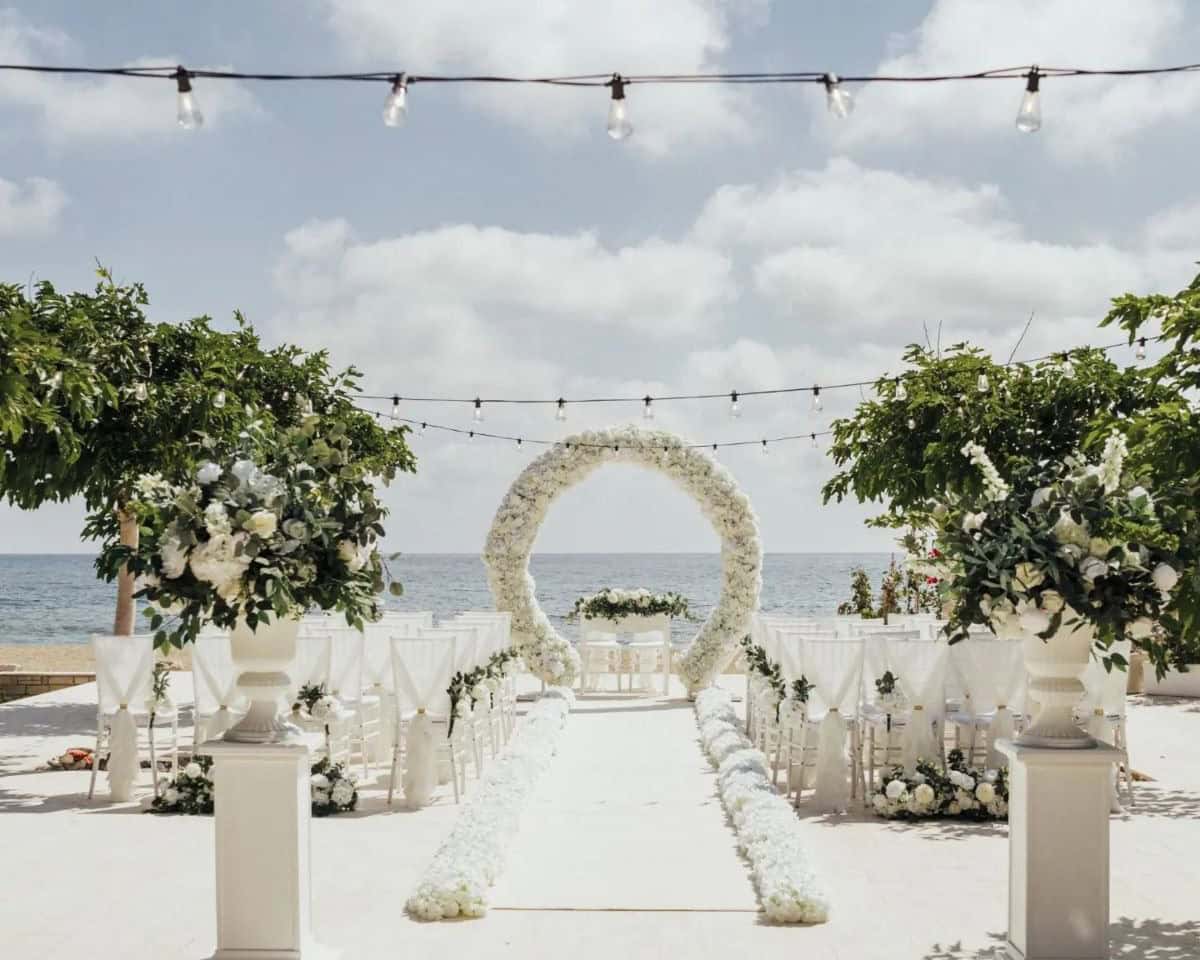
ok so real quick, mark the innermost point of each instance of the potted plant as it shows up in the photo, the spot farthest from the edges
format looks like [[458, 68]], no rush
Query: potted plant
[[284, 523], [1071, 556]]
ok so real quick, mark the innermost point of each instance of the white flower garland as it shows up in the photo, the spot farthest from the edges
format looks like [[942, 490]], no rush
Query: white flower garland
[[520, 516], [467, 863], [767, 830]]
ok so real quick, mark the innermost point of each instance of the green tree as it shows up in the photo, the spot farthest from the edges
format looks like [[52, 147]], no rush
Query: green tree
[[94, 395], [904, 448]]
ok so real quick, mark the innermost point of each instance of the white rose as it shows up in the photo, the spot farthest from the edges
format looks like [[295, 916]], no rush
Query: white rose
[[319, 781], [973, 521], [1068, 531], [320, 797], [262, 523], [174, 559], [954, 808], [1092, 568], [208, 472], [349, 554], [171, 796], [1040, 496], [1141, 628], [244, 471], [1165, 577], [895, 789], [924, 794], [880, 802], [342, 793], [1052, 601], [216, 518], [193, 770], [985, 793], [1099, 547], [1141, 499]]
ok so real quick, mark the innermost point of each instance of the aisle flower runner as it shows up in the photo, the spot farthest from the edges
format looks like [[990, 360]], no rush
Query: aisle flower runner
[[457, 881], [767, 830]]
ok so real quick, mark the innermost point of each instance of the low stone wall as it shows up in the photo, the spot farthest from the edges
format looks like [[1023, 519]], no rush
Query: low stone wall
[[15, 684]]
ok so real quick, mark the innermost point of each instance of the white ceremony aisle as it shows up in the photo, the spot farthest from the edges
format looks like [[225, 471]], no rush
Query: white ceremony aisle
[[626, 819]]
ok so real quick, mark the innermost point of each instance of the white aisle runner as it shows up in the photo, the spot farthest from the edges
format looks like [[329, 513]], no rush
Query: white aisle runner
[[626, 818]]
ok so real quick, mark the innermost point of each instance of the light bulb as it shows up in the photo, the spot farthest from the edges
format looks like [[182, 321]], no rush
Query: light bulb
[[478, 410], [518, 443], [470, 434], [1029, 116], [619, 126], [140, 391], [395, 107], [838, 100], [764, 448], [817, 405], [424, 427], [814, 441], [912, 424], [714, 451], [735, 410], [901, 390], [1067, 367], [648, 408], [982, 383], [1140, 352], [560, 412], [187, 113], [395, 406], [219, 399]]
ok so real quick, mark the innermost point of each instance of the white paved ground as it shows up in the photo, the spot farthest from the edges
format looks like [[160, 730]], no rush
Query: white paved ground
[[623, 852]]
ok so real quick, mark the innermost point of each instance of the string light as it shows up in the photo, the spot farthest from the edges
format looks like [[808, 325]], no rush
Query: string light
[[478, 410], [395, 107], [471, 435], [912, 424], [619, 126], [560, 413], [1066, 366], [647, 408], [901, 390], [817, 405], [219, 399], [424, 427], [395, 404], [187, 113], [714, 451], [764, 447], [735, 411], [982, 383], [1140, 353], [814, 441], [518, 443], [1029, 114], [837, 99], [140, 391]]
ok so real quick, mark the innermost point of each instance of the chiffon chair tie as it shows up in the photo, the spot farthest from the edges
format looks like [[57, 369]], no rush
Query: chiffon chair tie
[[124, 666], [1104, 692], [920, 669], [994, 673], [834, 668], [422, 669], [219, 702]]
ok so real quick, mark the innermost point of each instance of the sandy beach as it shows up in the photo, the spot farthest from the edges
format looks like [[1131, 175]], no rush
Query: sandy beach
[[65, 657]]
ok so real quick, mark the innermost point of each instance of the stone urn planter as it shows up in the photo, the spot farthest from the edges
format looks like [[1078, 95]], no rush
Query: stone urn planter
[[1056, 668], [263, 656]]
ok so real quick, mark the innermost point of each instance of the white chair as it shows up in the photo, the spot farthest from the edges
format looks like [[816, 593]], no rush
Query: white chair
[[422, 668], [493, 639], [377, 673], [346, 667], [920, 670], [834, 668], [993, 671], [466, 657], [219, 701], [124, 698], [1103, 710]]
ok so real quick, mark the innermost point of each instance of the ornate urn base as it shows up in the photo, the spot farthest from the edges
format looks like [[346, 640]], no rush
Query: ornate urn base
[[1056, 669], [263, 656]]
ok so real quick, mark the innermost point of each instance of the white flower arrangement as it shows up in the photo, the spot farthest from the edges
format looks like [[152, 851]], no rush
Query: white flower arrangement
[[191, 791], [612, 604], [768, 832], [520, 515], [457, 881], [957, 792]]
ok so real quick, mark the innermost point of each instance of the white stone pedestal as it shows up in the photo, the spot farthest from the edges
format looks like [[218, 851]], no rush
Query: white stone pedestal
[[262, 812], [1058, 851]]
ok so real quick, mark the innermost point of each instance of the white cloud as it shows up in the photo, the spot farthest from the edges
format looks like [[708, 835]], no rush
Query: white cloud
[[1084, 118], [515, 37], [30, 209], [71, 108]]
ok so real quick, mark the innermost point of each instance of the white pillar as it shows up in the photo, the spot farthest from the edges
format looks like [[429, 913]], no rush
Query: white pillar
[[1058, 851], [262, 806]]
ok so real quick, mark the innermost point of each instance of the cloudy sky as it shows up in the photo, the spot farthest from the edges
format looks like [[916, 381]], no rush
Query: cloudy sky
[[499, 244]]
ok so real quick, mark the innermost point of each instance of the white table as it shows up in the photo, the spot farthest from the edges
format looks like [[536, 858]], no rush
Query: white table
[[601, 633]]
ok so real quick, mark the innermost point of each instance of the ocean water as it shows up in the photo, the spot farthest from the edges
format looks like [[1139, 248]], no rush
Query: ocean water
[[56, 598]]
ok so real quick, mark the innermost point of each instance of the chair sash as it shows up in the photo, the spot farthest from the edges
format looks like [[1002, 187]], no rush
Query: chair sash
[[1104, 692], [219, 702], [834, 668], [920, 668], [346, 666], [422, 669], [993, 672], [124, 670]]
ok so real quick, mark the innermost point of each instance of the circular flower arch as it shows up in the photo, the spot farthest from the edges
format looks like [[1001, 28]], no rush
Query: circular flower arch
[[524, 507]]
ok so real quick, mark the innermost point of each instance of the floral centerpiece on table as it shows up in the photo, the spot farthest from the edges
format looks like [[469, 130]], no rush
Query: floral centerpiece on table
[[613, 604], [286, 522], [1090, 546]]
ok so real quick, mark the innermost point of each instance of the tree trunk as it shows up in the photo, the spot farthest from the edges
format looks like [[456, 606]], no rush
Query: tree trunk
[[126, 607]]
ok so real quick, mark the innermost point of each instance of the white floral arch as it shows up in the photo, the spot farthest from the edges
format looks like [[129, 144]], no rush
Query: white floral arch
[[524, 507]]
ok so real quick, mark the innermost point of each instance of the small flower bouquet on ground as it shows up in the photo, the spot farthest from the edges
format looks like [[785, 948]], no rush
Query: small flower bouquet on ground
[[959, 791], [612, 604], [191, 791]]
